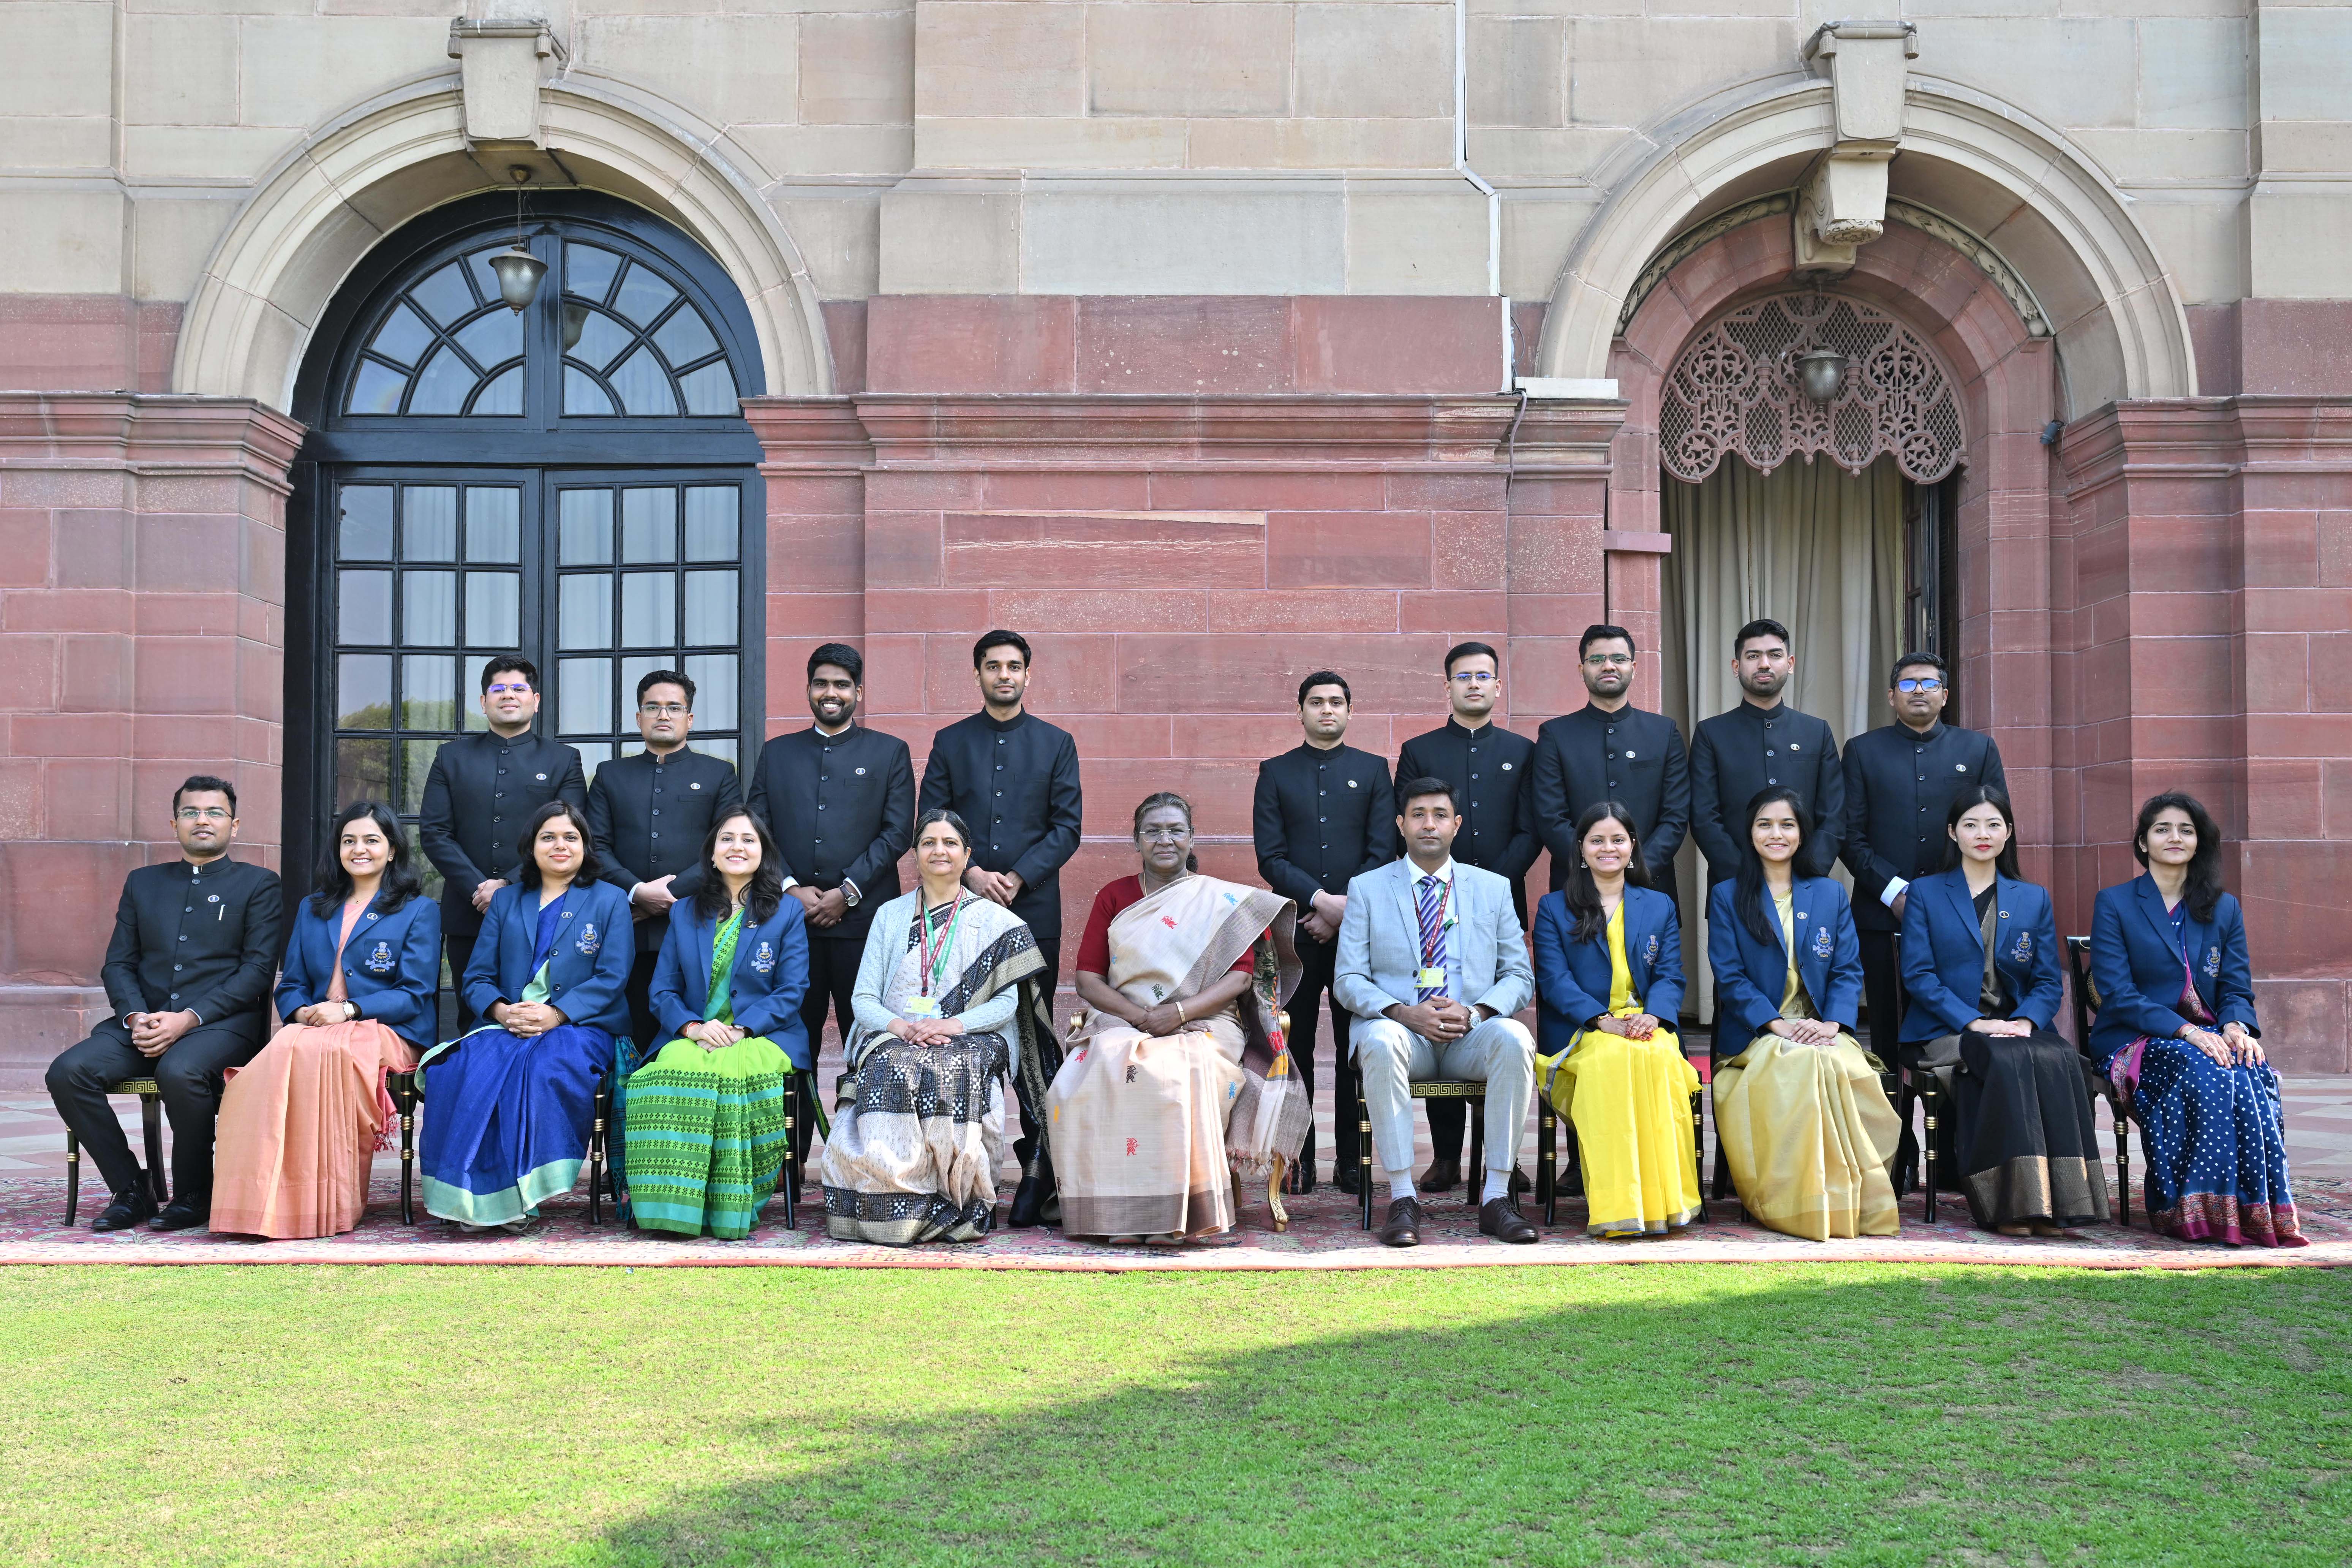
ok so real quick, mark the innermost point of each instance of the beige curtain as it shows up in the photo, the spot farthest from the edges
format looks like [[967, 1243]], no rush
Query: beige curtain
[[1810, 546]]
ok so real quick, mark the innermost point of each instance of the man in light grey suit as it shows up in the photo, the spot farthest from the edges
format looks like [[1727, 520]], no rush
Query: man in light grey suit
[[1432, 964]]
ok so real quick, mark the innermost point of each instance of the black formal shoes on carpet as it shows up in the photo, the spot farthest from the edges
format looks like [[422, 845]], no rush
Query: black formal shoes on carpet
[[1500, 1218], [1403, 1225], [1443, 1176], [1348, 1177], [181, 1213], [134, 1208]]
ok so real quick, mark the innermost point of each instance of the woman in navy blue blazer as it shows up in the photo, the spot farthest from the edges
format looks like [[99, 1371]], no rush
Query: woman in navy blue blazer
[[705, 1120], [2177, 1033], [1980, 965], [1799, 1110], [508, 1108], [1609, 987], [301, 1122]]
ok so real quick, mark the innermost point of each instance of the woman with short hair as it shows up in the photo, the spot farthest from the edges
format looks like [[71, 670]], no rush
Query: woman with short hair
[[953, 998], [2177, 1033]]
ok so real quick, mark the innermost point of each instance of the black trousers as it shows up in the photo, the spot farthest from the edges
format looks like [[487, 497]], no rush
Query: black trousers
[[1050, 948], [1306, 1002], [643, 1027], [1881, 992], [832, 977], [189, 1074], [460, 946]]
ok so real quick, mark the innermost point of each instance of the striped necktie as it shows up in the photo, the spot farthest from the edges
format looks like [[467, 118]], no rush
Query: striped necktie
[[1432, 933]]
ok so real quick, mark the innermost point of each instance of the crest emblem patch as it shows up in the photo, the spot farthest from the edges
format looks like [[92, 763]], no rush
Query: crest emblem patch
[[589, 941], [2212, 963], [1824, 941], [380, 960], [1649, 952], [763, 958], [2022, 951]]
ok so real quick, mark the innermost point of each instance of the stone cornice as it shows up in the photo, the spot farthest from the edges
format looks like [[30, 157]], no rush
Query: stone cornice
[[148, 432], [2185, 437]]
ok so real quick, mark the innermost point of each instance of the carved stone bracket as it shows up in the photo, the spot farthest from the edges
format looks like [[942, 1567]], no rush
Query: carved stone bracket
[[1842, 201], [501, 62]]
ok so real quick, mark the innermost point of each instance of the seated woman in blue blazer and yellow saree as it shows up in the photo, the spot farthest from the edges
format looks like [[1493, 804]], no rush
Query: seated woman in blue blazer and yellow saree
[[704, 1120], [1980, 964], [1608, 986], [1803, 1123], [2177, 1033], [508, 1107]]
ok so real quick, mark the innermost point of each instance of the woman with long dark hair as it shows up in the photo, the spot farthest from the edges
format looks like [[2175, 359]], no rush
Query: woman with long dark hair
[[953, 999], [508, 1107], [704, 1121], [300, 1123], [1608, 989], [1980, 964], [1801, 1117], [2177, 1033]]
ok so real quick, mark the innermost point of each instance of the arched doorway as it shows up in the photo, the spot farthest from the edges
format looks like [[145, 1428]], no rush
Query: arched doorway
[[575, 481]]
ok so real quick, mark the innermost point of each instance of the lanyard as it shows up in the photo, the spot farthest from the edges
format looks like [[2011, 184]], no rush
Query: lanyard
[[1428, 950], [933, 965]]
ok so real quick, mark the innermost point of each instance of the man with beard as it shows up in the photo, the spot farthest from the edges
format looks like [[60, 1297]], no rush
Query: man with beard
[[1489, 769], [839, 800], [1762, 741], [1610, 750], [1321, 816]]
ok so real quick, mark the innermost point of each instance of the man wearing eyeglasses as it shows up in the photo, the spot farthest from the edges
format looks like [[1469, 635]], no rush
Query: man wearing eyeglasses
[[1490, 769], [188, 975], [1899, 784], [479, 794], [649, 814], [1610, 750]]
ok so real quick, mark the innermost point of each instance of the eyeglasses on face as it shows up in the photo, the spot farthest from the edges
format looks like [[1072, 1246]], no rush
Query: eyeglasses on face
[[519, 688], [1607, 660], [1171, 831], [1467, 675], [664, 709], [1919, 683], [203, 813]]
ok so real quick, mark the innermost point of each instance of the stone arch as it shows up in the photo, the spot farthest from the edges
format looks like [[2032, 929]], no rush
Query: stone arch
[[1992, 170], [384, 162]]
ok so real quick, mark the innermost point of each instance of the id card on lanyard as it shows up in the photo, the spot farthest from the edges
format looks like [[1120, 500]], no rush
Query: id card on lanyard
[[924, 1005], [1432, 975]]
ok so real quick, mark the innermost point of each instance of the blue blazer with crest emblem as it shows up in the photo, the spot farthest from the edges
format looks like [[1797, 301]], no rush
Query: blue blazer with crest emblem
[[1572, 977], [588, 970], [391, 966], [1943, 955], [2138, 968], [1751, 975], [764, 992]]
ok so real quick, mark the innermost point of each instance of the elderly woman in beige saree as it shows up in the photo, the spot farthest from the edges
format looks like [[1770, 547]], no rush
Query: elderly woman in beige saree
[[1177, 1081]]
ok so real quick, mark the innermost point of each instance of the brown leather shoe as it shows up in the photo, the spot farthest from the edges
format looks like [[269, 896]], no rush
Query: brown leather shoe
[[1500, 1218], [1404, 1225], [1443, 1176]]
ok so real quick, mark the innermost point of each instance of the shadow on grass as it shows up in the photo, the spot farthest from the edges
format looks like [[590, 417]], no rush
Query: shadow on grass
[[1788, 1416]]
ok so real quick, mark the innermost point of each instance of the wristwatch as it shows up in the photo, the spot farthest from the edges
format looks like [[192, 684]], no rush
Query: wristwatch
[[849, 894]]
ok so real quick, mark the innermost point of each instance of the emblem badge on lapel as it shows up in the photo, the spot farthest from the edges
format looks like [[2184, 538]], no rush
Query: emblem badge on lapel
[[859, 772], [542, 778], [589, 941], [1824, 941], [763, 958], [380, 960], [2023, 950], [1960, 767], [2212, 963], [697, 785]]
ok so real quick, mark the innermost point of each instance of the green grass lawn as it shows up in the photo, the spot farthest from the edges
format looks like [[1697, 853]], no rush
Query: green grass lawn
[[1812, 1415]]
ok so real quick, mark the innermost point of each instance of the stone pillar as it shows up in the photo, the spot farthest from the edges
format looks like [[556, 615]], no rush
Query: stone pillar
[[813, 454]]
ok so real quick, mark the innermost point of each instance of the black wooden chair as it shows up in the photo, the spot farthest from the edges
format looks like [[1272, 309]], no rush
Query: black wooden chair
[[151, 1117], [1548, 1125], [409, 1093], [1425, 1088], [801, 1100], [2087, 1009], [1930, 1088]]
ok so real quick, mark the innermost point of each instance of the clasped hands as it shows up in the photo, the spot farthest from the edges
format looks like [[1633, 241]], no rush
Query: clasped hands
[[1805, 1031], [996, 887], [1441, 1018], [713, 1035], [153, 1033], [1324, 912], [2228, 1046], [1640, 1026], [822, 910], [526, 1020], [319, 1015], [927, 1031]]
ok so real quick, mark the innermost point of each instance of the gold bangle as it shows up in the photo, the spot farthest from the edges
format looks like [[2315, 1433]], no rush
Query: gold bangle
[[1180, 1019]]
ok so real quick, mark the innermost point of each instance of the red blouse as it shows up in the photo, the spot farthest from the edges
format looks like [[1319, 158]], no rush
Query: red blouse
[[1094, 948]]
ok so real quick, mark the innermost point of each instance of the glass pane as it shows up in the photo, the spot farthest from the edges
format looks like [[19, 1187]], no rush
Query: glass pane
[[711, 606], [445, 295], [493, 337], [588, 271], [503, 395], [648, 609], [592, 755], [602, 338], [584, 610], [429, 609], [723, 747], [644, 385], [644, 295], [363, 691], [428, 524], [442, 388], [376, 390], [428, 693], [364, 607], [584, 692], [585, 528], [493, 524], [715, 696], [470, 694], [685, 337], [491, 602], [415, 767], [649, 525], [582, 394], [403, 337], [710, 522], [365, 531], [710, 390], [363, 771], [486, 276]]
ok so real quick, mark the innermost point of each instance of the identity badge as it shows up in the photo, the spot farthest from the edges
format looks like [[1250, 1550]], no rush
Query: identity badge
[[922, 1007], [1430, 978]]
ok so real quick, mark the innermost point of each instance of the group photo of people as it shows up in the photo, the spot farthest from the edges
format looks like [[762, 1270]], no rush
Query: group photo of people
[[642, 968]]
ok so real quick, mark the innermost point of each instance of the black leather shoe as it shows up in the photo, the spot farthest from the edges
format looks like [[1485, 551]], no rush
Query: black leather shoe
[[1299, 1180], [1348, 1177], [136, 1207], [1443, 1176], [180, 1214], [1500, 1218], [1403, 1228], [1033, 1200]]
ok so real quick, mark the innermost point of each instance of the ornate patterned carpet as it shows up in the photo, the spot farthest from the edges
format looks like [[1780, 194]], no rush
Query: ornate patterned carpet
[[1323, 1234]]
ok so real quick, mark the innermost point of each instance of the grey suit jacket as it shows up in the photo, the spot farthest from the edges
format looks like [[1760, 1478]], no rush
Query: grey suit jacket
[[1379, 943]]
